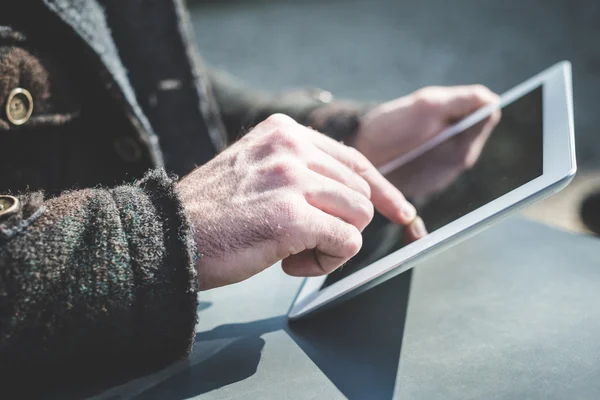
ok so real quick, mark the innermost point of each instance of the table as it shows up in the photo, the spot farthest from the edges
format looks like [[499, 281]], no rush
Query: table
[[512, 313]]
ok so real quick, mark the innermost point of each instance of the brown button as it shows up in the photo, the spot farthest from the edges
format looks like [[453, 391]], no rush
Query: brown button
[[19, 106], [128, 149], [9, 205]]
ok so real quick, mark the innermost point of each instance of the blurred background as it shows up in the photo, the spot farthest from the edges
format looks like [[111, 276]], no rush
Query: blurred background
[[382, 49]]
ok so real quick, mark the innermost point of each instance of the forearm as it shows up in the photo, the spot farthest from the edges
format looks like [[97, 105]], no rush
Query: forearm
[[99, 276], [242, 108]]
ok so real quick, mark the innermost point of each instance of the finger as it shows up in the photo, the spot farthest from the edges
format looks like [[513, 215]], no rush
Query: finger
[[415, 231], [306, 264], [335, 242], [459, 101], [323, 164], [473, 141], [388, 200], [489, 125], [339, 200]]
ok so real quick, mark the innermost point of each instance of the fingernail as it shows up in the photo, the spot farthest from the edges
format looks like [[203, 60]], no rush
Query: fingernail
[[419, 227], [409, 212]]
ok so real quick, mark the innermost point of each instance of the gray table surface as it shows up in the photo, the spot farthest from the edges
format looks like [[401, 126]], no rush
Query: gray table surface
[[513, 313]]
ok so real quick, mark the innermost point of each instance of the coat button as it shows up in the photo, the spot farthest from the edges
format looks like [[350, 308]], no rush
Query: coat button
[[128, 149], [324, 96], [9, 205], [321, 95], [19, 106]]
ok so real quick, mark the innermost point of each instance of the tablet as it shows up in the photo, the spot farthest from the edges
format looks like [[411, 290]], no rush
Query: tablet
[[529, 155]]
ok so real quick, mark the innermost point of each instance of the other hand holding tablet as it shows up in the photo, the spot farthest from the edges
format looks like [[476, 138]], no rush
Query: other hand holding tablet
[[397, 132], [530, 156]]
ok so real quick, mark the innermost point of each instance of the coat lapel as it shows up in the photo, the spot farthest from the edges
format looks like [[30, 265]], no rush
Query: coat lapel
[[87, 20]]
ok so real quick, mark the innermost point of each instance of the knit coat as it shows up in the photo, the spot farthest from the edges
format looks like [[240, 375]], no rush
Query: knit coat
[[97, 261]]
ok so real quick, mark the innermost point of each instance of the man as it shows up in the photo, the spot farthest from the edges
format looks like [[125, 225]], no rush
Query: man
[[103, 275]]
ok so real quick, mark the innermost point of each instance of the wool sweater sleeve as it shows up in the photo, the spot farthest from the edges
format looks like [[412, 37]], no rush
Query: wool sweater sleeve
[[97, 279], [242, 107]]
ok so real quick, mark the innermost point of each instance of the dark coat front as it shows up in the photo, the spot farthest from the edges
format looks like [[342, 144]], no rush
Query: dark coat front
[[97, 273]]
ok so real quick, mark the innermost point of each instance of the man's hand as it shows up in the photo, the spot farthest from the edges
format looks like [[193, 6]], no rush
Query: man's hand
[[399, 126], [284, 192]]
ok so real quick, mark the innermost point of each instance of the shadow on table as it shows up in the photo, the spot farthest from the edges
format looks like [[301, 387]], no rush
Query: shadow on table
[[222, 356], [236, 362], [357, 343]]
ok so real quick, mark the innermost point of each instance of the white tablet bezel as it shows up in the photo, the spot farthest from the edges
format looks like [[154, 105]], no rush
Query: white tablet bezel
[[559, 167]]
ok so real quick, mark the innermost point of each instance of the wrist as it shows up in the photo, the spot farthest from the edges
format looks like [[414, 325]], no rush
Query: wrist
[[363, 139], [340, 120]]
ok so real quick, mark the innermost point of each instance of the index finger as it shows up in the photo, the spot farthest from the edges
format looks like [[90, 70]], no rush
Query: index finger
[[386, 198]]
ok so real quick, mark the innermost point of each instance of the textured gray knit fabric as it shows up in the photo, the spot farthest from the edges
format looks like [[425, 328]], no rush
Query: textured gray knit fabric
[[100, 273]]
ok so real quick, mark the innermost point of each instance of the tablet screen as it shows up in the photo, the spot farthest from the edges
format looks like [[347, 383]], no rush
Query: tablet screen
[[511, 157]]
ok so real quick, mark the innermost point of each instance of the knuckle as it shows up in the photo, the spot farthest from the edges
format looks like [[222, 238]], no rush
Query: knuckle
[[478, 87], [275, 134], [282, 250], [424, 104], [364, 209], [426, 99], [283, 138], [360, 185], [360, 163], [279, 120], [368, 211], [282, 171], [482, 92], [289, 245], [353, 243], [312, 193], [263, 149], [354, 153], [366, 188], [290, 142], [482, 89]]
